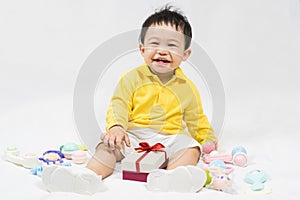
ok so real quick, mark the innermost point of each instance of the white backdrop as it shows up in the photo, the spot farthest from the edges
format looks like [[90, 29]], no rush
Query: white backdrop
[[255, 45]]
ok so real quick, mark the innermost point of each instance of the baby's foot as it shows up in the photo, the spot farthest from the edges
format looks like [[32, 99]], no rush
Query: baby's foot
[[71, 179], [180, 179]]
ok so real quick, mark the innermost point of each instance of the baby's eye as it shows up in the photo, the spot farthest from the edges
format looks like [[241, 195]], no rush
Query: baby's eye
[[154, 43], [172, 45]]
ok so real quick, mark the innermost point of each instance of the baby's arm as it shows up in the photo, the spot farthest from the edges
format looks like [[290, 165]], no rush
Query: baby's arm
[[198, 124], [120, 104], [203, 133], [117, 115]]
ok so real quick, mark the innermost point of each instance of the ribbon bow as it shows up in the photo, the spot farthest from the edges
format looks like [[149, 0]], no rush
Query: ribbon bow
[[144, 146]]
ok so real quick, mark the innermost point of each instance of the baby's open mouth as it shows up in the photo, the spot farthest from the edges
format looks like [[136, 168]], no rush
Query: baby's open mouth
[[161, 60]]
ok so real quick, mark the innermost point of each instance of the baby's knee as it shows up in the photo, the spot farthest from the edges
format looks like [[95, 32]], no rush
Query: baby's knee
[[101, 147], [102, 151], [196, 152]]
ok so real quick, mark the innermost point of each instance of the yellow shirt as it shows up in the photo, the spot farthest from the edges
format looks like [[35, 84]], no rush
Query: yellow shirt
[[142, 101]]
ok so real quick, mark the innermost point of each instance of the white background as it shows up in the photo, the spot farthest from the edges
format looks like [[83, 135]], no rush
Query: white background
[[255, 45]]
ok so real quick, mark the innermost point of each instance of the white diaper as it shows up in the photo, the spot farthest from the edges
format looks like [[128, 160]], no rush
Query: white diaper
[[173, 143]]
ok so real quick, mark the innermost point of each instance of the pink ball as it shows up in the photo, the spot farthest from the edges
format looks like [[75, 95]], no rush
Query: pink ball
[[240, 160], [208, 147]]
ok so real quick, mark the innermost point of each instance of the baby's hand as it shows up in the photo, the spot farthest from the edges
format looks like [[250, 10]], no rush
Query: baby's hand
[[115, 137]]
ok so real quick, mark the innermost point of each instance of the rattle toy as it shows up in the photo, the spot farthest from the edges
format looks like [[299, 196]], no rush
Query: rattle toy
[[256, 178], [52, 157], [238, 157], [29, 160], [218, 177], [218, 167], [221, 183], [37, 170], [69, 148]]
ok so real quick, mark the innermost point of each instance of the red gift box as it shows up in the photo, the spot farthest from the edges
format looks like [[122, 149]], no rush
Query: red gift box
[[137, 166]]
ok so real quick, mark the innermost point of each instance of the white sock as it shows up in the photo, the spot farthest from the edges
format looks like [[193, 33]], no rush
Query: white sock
[[71, 179], [180, 179]]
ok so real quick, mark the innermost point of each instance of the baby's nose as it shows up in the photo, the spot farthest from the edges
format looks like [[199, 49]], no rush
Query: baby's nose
[[162, 51]]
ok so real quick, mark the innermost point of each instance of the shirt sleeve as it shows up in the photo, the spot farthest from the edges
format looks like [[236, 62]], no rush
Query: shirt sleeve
[[120, 104], [196, 121]]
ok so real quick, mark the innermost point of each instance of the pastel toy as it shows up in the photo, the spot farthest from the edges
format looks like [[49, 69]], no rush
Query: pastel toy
[[208, 147], [218, 167], [82, 148], [217, 163], [256, 178], [217, 178], [237, 157], [238, 149], [52, 157], [29, 160], [38, 170], [221, 183], [79, 156], [208, 158], [69, 148]]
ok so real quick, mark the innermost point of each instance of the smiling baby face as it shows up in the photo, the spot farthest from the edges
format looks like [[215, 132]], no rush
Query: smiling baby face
[[164, 48]]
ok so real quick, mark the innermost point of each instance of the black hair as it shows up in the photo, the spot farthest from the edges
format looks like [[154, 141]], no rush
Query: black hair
[[168, 15]]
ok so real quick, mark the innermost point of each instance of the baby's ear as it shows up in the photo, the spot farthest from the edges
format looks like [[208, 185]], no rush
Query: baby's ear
[[186, 54], [142, 48]]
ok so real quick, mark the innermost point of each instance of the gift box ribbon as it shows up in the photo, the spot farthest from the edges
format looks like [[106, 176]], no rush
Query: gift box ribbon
[[145, 147]]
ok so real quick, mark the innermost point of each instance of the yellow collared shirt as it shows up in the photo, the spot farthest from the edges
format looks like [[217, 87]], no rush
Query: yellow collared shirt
[[142, 101]]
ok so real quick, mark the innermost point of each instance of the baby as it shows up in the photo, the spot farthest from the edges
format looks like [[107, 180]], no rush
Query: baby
[[154, 102]]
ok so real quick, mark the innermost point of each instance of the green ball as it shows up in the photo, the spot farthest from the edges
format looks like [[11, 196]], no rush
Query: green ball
[[71, 146]]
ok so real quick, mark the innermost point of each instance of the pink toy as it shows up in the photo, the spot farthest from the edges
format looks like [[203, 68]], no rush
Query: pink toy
[[221, 183], [208, 147], [218, 176], [208, 158], [238, 157], [79, 156], [240, 160]]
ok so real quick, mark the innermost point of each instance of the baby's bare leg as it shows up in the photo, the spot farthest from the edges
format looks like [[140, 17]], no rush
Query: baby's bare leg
[[189, 156], [104, 161]]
